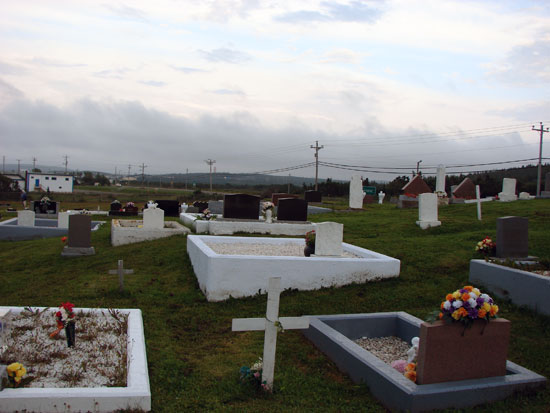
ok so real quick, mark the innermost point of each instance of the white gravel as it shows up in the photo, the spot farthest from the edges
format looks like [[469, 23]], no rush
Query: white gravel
[[387, 349], [97, 359], [278, 250]]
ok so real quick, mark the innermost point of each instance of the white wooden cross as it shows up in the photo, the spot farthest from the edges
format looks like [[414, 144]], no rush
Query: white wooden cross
[[121, 271], [478, 199], [271, 324]]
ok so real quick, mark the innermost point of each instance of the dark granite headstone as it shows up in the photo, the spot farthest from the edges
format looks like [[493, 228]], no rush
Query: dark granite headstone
[[512, 237], [547, 182], [278, 195], [291, 209], [313, 196], [465, 190], [116, 206], [170, 207], [241, 206], [201, 205], [80, 236], [45, 207]]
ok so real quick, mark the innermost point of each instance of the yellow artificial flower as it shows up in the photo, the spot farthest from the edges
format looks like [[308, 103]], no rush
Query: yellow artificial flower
[[494, 310], [456, 294], [13, 367], [21, 372], [456, 315], [486, 306], [476, 292]]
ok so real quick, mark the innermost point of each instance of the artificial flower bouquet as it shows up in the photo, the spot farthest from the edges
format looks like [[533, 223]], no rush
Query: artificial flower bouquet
[[253, 374], [310, 238], [266, 206], [486, 246], [466, 305], [16, 372]]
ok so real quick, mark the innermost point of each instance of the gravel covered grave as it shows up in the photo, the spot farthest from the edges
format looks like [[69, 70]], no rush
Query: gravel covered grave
[[278, 250], [387, 349], [97, 360]]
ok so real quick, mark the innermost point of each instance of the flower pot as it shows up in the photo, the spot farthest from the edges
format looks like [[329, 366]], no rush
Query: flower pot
[[451, 352], [268, 216], [70, 333], [308, 250]]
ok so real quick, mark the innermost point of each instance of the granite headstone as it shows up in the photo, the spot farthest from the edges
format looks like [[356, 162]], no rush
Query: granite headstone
[[291, 209], [512, 237], [241, 206], [313, 196]]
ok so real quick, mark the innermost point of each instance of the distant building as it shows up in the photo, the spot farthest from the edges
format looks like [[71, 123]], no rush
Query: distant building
[[52, 182], [17, 181]]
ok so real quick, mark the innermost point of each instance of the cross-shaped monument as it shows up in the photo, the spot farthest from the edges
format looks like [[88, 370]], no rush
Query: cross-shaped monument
[[271, 324], [121, 271]]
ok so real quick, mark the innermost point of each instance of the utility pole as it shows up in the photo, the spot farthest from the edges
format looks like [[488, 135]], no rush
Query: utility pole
[[18, 166], [143, 166], [4, 164], [539, 171], [33, 163], [115, 174], [418, 167], [66, 162], [317, 148], [128, 180], [288, 190], [186, 175], [210, 162]]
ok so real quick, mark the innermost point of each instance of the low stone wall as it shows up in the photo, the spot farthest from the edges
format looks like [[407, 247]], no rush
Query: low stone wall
[[128, 231]]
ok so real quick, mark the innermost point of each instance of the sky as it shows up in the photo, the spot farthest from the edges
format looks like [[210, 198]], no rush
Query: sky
[[253, 85]]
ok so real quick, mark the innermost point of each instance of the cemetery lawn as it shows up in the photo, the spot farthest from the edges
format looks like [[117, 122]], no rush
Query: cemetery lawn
[[193, 356]]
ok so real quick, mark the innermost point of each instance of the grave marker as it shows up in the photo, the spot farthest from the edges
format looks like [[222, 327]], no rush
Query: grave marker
[[63, 220], [328, 239], [512, 237], [313, 196], [80, 236], [356, 192], [440, 179], [170, 207], [280, 195], [241, 206], [508, 190], [427, 211], [121, 272], [478, 198], [270, 324], [26, 218], [292, 209], [153, 218], [381, 196]]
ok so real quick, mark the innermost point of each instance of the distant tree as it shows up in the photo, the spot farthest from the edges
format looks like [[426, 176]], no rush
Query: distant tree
[[36, 170]]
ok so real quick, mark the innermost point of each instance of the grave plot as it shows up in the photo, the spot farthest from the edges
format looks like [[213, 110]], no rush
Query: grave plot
[[135, 395], [334, 335], [27, 227], [151, 227], [241, 274]]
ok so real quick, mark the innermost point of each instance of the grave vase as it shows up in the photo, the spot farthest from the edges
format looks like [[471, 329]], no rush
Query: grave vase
[[269, 216], [70, 333], [451, 352], [309, 249]]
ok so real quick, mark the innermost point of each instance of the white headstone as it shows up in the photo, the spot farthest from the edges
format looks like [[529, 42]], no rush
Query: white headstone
[[440, 179], [271, 324], [25, 218], [153, 218], [427, 211], [381, 196], [508, 190], [478, 200], [356, 192], [328, 239], [524, 195], [62, 220]]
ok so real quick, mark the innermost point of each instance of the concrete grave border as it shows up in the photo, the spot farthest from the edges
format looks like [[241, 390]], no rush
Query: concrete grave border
[[333, 335], [136, 395], [10, 231], [126, 231], [521, 287]]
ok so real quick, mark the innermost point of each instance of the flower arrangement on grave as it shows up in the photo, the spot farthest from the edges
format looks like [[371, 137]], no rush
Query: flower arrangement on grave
[[206, 215], [65, 319], [267, 206], [410, 372], [63, 239], [253, 374], [486, 246], [130, 205], [16, 372], [310, 238], [467, 305]]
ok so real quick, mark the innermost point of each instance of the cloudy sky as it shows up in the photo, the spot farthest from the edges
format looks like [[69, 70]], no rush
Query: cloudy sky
[[253, 84]]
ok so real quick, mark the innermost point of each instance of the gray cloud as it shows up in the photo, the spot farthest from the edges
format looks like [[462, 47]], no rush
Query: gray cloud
[[128, 13], [8, 93], [526, 113], [225, 55], [354, 11], [153, 83], [9, 69]]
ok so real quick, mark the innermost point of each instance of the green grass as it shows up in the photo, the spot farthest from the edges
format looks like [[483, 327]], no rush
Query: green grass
[[193, 356]]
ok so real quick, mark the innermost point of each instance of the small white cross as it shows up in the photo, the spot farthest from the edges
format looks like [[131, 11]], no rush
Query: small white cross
[[121, 271], [271, 324]]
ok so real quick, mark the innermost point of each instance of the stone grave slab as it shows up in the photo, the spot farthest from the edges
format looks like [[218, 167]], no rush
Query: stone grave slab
[[80, 238], [313, 196], [356, 192], [241, 206], [170, 207], [279, 195], [427, 211], [328, 239], [153, 218], [26, 218], [508, 190], [292, 209], [440, 179], [215, 207], [512, 237]]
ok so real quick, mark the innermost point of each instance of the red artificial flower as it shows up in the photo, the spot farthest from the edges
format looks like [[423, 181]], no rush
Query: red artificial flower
[[63, 239]]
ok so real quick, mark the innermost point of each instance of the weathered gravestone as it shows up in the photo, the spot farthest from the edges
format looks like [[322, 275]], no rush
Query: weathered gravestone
[[115, 206], [328, 239], [241, 206], [271, 325], [356, 192], [279, 195], [63, 220], [170, 207], [440, 179], [80, 236], [443, 350], [26, 218], [508, 190], [215, 207], [153, 218], [313, 196], [512, 237], [465, 190], [292, 209], [427, 211]]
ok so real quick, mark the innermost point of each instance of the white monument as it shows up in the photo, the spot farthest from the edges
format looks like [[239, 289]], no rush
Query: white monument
[[381, 196], [25, 218], [440, 179], [508, 190], [271, 324], [153, 218], [328, 239], [356, 192], [62, 220], [427, 211], [478, 200]]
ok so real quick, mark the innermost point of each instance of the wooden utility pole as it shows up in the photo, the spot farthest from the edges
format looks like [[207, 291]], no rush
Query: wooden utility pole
[[143, 166], [66, 162], [317, 149], [539, 171], [210, 162]]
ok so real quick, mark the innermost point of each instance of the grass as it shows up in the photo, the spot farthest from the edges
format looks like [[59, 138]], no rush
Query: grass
[[194, 358]]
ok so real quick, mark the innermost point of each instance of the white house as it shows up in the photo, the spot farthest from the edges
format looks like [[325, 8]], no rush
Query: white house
[[54, 182]]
